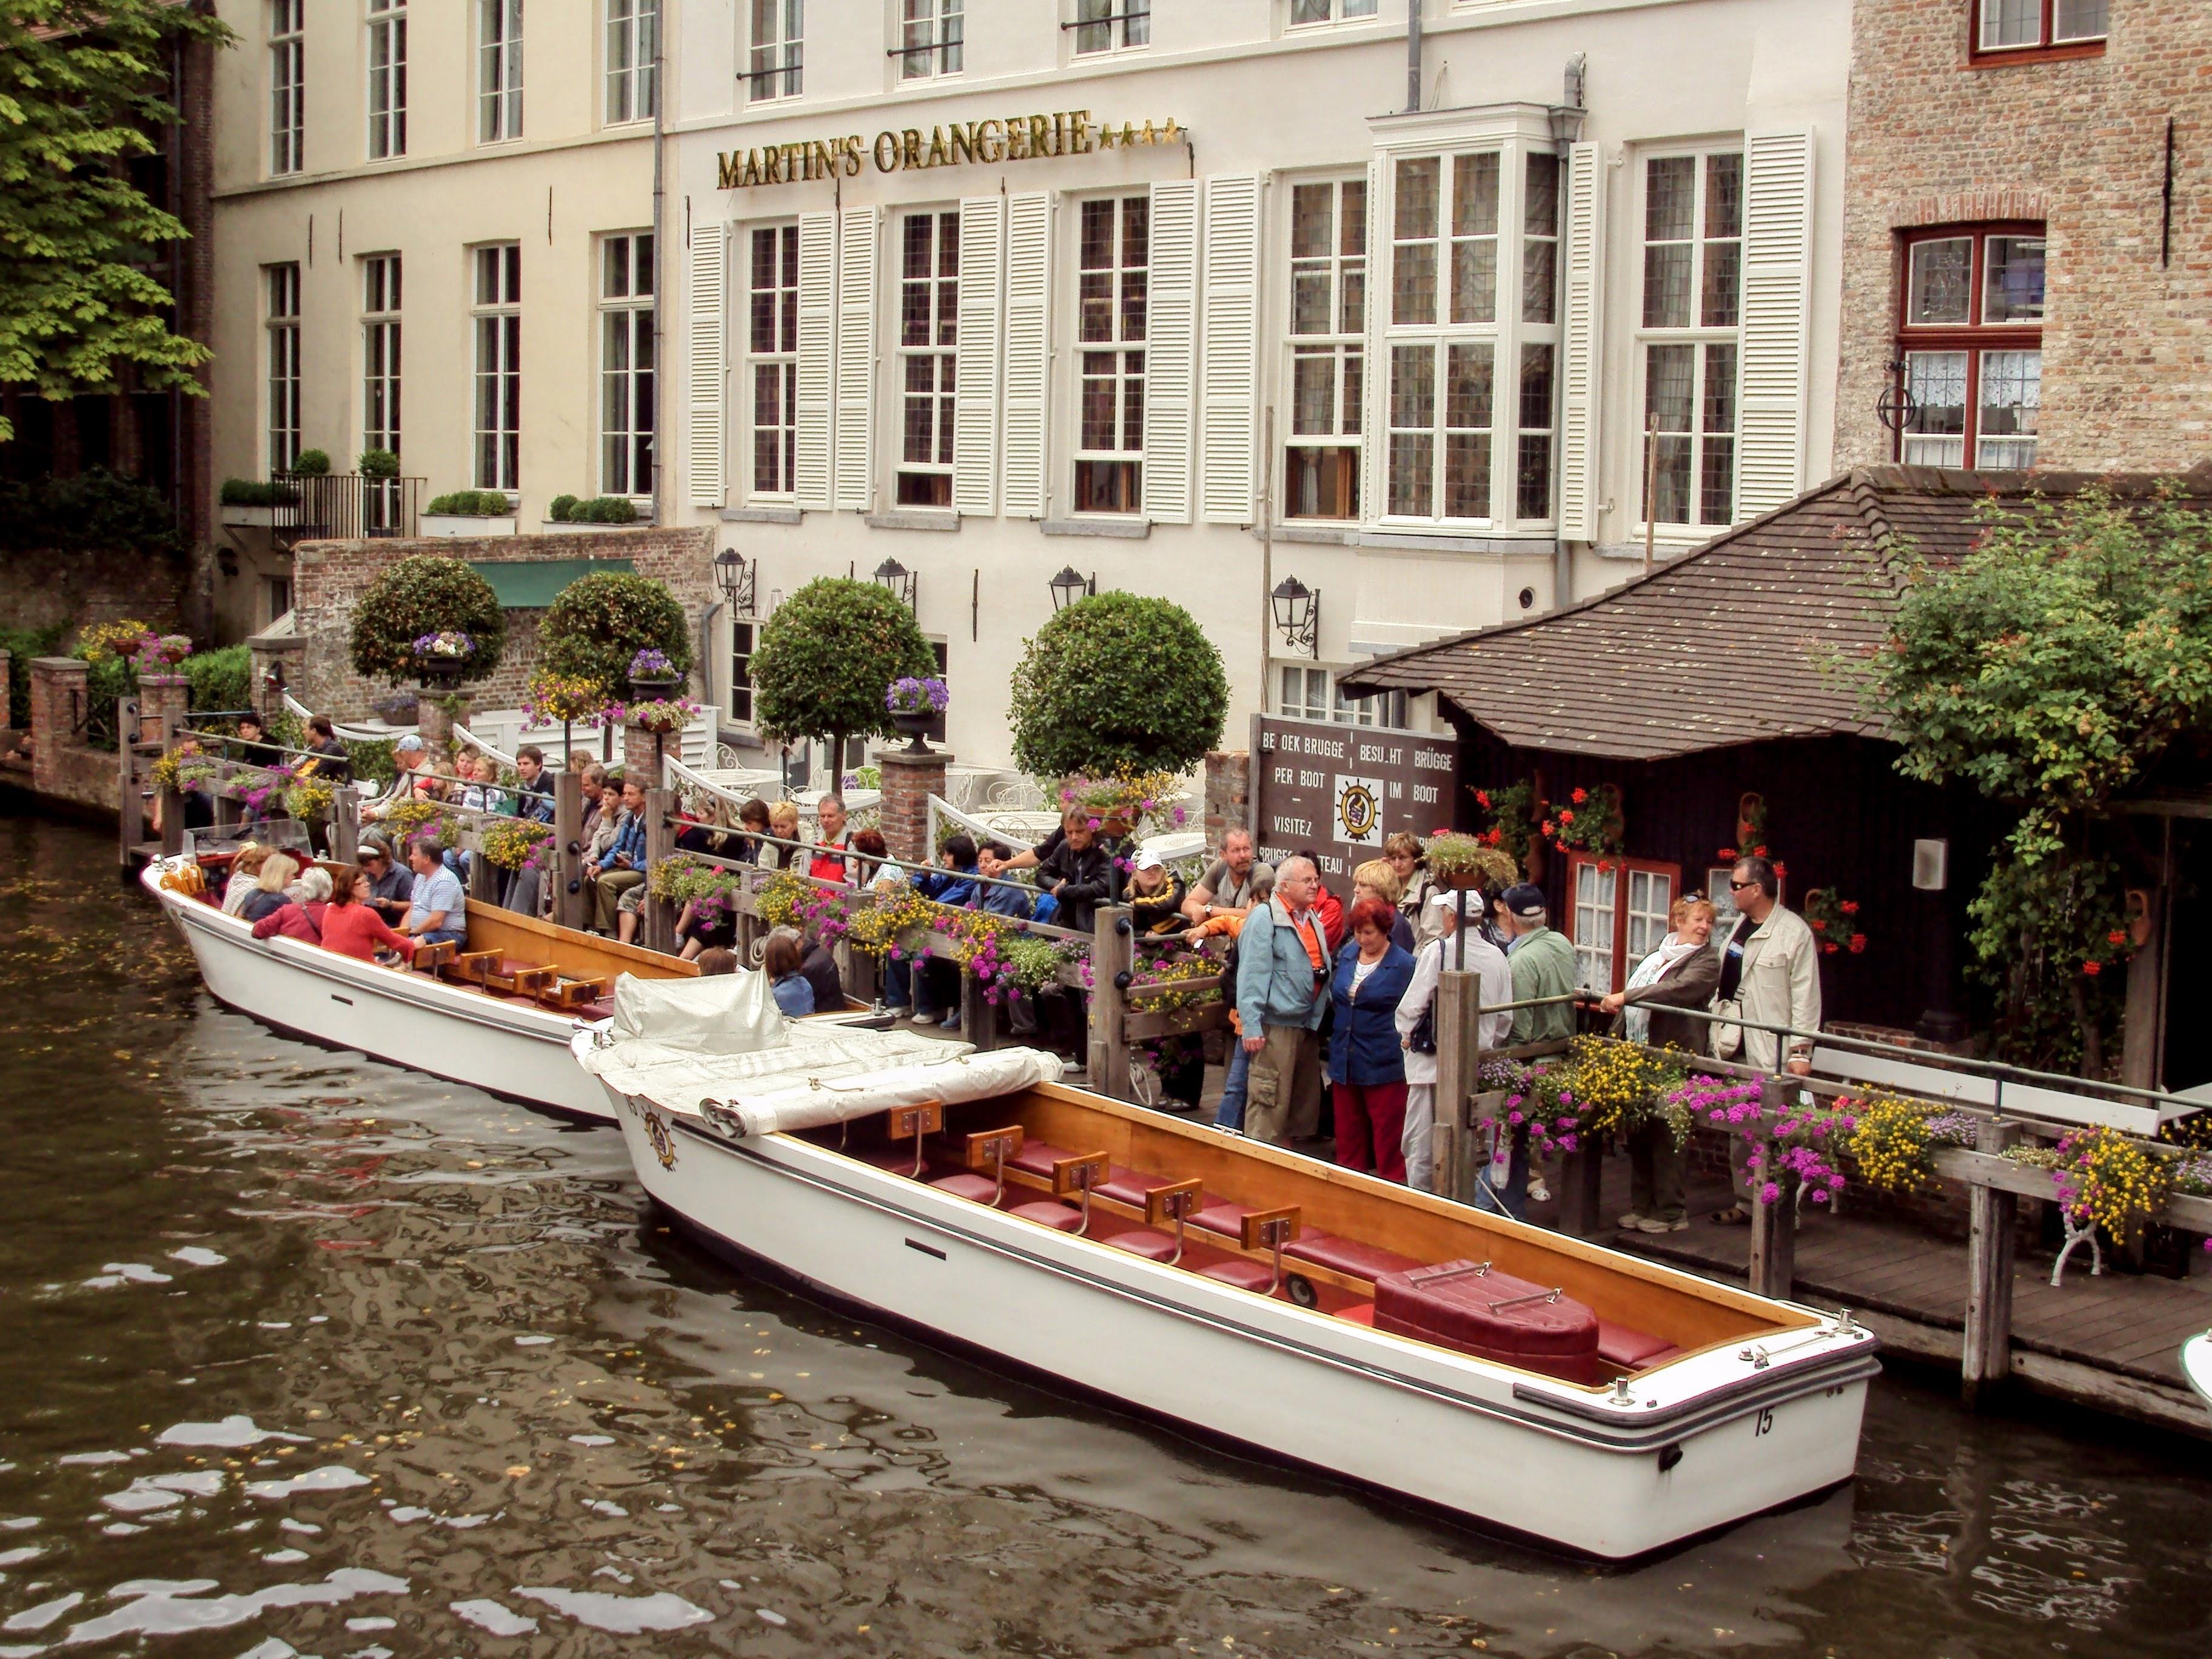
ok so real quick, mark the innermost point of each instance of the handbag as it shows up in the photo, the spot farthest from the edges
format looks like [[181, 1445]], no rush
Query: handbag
[[1423, 1038], [1728, 1039]]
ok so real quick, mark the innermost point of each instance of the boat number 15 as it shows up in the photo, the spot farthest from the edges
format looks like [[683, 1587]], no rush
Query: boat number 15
[[1762, 1423]]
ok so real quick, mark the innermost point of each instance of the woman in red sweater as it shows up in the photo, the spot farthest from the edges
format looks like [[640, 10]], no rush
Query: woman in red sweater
[[351, 925]]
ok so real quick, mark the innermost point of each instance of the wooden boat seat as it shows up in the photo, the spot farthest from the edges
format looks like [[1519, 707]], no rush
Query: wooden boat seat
[[1357, 1313], [1221, 1217], [577, 996], [429, 958], [1129, 1186], [1471, 1309], [1348, 1256], [988, 1150], [979, 1189], [1144, 1242], [1254, 1276], [1049, 1212], [1036, 1157], [1631, 1350]]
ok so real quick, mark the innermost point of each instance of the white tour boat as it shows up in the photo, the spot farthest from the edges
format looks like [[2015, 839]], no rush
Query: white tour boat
[[1529, 1382], [2197, 1366], [498, 1013]]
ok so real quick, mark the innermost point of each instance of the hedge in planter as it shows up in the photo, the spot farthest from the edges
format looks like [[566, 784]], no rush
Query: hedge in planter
[[428, 593], [1118, 682], [827, 655], [598, 623]]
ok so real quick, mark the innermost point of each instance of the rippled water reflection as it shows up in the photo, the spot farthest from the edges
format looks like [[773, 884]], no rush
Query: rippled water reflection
[[310, 1355]]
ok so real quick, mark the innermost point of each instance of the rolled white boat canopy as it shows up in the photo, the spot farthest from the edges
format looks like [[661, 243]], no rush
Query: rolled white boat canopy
[[719, 1047]]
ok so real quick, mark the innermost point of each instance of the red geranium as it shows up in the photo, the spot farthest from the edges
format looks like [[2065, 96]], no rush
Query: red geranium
[[1580, 796], [2118, 936], [1858, 943], [1566, 815], [2092, 969], [1850, 906]]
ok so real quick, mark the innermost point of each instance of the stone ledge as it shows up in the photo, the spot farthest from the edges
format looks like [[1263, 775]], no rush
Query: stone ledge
[[760, 516], [913, 519], [1127, 530]]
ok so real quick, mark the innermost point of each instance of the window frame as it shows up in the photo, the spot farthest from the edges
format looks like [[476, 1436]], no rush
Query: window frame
[[281, 319], [784, 359], [287, 87], [383, 298], [386, 24], [633, 311], [1337, 17], [1696, 335], [742, 643], [1972, 338], [1379, 711], [1117, 20], [503, 314], [1129, 386], [499, 71], [634, 84], [2047, 48], [789, 45], [941, 51], [1345, 345], [1616, 945], [940, 348]]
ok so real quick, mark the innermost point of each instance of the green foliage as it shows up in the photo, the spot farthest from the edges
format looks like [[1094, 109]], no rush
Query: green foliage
[[21, 644], [312, 463], [252, 492], [472, 504], [2044, 935], [1119, 682], [560, 508], [426, 594], [221, 679], [82, 91], [95, 512], [826, 656], [607, 509], [598, 623], [378, 464], [109, 679]]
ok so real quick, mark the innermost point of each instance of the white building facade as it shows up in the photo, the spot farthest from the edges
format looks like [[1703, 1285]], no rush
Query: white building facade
[[1183, 296]]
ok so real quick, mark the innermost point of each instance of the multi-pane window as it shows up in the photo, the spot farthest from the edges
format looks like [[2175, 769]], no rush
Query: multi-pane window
[[1540, 315], [778, 41], [2016, 25], [1328, 324], [1617, 916], [1312, 694], [772, 344], [283, 287], [288, 86], [1112, 257], [1971, 344], [1690, 333], [626, 365], [1304, 12], [633, 47], [745, 638], [933, 38], [1111, 25], [1441, 407], [929, 297], [498, 322], [380, 332], [387, 79], [499, 71]]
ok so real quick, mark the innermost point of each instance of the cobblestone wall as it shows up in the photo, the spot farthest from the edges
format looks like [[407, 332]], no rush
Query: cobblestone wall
[[2078, 143], [332, 576]]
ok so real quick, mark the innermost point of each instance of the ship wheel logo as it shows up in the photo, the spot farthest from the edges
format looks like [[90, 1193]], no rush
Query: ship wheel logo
[[664, 1144], [1357, 812]]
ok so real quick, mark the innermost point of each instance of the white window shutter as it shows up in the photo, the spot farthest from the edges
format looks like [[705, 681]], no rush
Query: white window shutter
[[1029, 293], [1375, 380], [817, 356], [975, 373], [1777, 290], [1170, 351], [858, 237], [1579, 342], [1229, 360], [706, 442]]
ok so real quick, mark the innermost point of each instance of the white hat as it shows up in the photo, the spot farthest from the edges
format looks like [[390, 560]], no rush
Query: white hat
[[1148, 859], [1444, 902]]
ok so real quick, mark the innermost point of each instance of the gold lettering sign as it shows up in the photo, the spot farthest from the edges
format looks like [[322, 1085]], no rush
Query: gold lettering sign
[[961, 143]]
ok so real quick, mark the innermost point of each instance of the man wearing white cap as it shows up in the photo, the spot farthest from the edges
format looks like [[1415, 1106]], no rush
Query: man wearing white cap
[[1417, 1029], [412, 779]]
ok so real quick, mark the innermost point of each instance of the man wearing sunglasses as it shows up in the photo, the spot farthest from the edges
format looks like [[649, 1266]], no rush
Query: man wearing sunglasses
[[1770, 974]]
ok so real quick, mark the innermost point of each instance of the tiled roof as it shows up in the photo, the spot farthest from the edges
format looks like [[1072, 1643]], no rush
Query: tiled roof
[[1734, 643]]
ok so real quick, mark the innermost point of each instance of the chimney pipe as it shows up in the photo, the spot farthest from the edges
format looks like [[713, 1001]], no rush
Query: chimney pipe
[[1414, 57]]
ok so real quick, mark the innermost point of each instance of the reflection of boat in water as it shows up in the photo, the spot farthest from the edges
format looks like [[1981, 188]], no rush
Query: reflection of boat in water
[[2197, 1366], [1526, 1381], [496, 1012]]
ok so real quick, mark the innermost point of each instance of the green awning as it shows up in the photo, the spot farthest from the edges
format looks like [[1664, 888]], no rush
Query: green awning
[[531, 584]]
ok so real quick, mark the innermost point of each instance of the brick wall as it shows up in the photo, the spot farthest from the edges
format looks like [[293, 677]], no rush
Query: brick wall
[[2081, 144], [1228, 795], [330, 578], [904, 816]]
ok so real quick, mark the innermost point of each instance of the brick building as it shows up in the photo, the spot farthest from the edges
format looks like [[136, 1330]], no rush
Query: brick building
[[2027, 238]]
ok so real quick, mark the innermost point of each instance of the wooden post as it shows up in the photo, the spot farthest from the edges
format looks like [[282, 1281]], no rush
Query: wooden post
[[749, 930], [570, 909], [483, 876], [979, 1015], [659, 933], [1581, 1207], [863, 976], [1773, 1226], [345, 825], [130, 809], [1985, 1356], [1459, 997], [1107, 1059]]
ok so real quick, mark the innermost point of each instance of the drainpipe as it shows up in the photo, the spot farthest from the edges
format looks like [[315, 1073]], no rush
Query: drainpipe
[[1414, 57], [659, 262]]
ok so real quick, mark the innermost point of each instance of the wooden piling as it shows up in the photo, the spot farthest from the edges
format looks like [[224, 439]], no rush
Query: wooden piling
[[1108, 1056], [129, 808], [659, 933], [566, 868], [979, 1015], [1773, 1226], [345, 824], [1985, 1356], [1458, 1003]]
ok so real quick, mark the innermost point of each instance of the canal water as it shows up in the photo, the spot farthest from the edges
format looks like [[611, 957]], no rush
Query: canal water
[[305, 1354]]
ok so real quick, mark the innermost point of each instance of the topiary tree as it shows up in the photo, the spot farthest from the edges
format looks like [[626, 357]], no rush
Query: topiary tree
[[428, 593], [826, 658], [598, 623], [1118, 682]]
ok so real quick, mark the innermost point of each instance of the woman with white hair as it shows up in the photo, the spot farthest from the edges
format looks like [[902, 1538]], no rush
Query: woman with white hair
[[1446, 947]]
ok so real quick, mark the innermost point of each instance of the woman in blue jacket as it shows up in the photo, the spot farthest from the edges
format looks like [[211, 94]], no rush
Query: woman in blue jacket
[[1366, 1066]]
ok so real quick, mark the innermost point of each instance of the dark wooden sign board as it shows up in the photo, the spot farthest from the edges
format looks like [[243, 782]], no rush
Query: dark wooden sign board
[[1342, 790]]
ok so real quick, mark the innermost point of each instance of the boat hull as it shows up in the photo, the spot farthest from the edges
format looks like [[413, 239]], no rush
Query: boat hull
[[506, 1049], [1506, 1449], [2197, 1366]]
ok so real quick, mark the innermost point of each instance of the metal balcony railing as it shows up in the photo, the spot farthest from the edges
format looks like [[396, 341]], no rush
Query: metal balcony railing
[[344, 507]]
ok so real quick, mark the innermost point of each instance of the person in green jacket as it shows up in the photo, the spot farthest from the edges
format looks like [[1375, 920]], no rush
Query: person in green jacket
[[1543, 965]]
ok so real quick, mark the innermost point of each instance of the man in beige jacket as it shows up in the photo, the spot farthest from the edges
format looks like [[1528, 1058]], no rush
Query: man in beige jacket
[[1770, 967]]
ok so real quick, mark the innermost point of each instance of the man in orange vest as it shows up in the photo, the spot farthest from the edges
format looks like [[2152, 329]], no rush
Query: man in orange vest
[[826, 862], [1282, 992]]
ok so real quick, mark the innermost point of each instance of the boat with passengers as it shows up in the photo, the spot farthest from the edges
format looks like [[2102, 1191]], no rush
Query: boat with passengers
[[1530, 1382]]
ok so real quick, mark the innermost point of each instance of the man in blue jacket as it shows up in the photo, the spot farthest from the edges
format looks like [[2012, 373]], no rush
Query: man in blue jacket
[[1282, 992]]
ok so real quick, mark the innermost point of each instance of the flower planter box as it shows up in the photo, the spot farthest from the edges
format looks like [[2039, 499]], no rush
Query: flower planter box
[[564, 526], [255, 518], [461, 523]]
